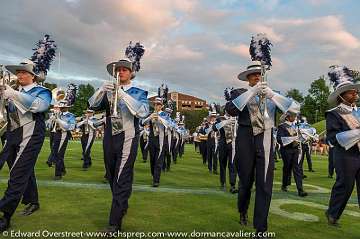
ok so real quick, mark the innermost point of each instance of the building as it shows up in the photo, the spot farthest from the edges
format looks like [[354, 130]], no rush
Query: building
[[185, 102]]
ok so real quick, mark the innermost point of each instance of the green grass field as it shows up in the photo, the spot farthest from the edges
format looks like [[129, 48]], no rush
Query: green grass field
[[188, 199]]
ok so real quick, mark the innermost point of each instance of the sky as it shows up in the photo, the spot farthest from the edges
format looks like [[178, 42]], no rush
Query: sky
[[195, 47]]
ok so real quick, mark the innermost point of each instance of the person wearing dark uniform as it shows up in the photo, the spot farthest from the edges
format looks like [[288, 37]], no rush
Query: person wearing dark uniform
[[50, 124], [288, 138], [306, 147], [158, 124], [168, 137], [65, 122], [203, 139], [144, 142], [254, 152], [211, 141], [124, 105], [87, 126], [25, 136], [226, 127], [343, 132]]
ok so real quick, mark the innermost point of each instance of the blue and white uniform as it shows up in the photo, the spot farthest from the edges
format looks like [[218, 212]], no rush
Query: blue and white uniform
[[88, 129], [25, 137], [121, 138], [65, 123]]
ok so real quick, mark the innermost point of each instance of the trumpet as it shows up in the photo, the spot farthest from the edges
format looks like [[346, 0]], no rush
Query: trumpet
[[115, 101]]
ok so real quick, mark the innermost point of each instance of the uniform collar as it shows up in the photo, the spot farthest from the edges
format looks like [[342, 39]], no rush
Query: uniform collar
[[348, 107], [27, 87], [126, 87]]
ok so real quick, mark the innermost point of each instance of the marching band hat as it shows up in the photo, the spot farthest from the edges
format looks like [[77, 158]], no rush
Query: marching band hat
[[254, 67], [342, 80], [25, 65]]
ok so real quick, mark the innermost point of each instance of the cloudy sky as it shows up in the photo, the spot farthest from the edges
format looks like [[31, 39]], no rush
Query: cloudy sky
[[195, 47]]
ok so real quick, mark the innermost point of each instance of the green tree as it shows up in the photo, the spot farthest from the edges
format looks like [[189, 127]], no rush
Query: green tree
[[315, 103], [83, 94], [50, 86], [296, 95], [194, 118]]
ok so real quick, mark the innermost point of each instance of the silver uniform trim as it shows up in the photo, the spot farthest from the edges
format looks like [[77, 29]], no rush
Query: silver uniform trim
[[137, 108], [241, 101], [63, 137], [89, 140], [28, 131], [349, 138], [128, 138], [267, 147]]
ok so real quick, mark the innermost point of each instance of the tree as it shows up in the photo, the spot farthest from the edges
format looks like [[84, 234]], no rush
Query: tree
[[194, 118], [315, 103], [296, 95], [82, 96], [50, 86]]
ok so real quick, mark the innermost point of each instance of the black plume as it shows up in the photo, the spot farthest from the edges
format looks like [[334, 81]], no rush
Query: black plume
[[134, 53], [260, 49]]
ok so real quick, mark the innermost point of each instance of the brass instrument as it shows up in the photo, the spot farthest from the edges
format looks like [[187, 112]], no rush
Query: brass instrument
[[115, 102], [58, 94], [5, 79]]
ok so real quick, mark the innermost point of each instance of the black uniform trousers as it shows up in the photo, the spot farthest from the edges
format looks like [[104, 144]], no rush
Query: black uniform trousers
[[21, 152], [211, 156], [203, 151], [156, 158], [290, 157], [250, 158], [306, 151], [174, 149], [181, 148], [87, 141], [144, 149], [347, 168], [60, 142], [120, 155], [225, 155], [51, 158], [167, 155]]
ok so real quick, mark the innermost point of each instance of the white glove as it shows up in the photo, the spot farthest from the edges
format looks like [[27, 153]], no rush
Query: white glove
[[9, 93], [107, 86], [259, 88], [268, 92], [52, 118]]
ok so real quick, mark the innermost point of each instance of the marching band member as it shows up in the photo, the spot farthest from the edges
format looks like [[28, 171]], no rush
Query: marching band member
[[158, 125], [168, 137], [144, 142], [343, 132], [210, 143], [49, 126], [255, 110], [124, 105], [288, 138], [203, 139], [306, 144], [226, 127], [65, 122], [25, 130], [88, 127]]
